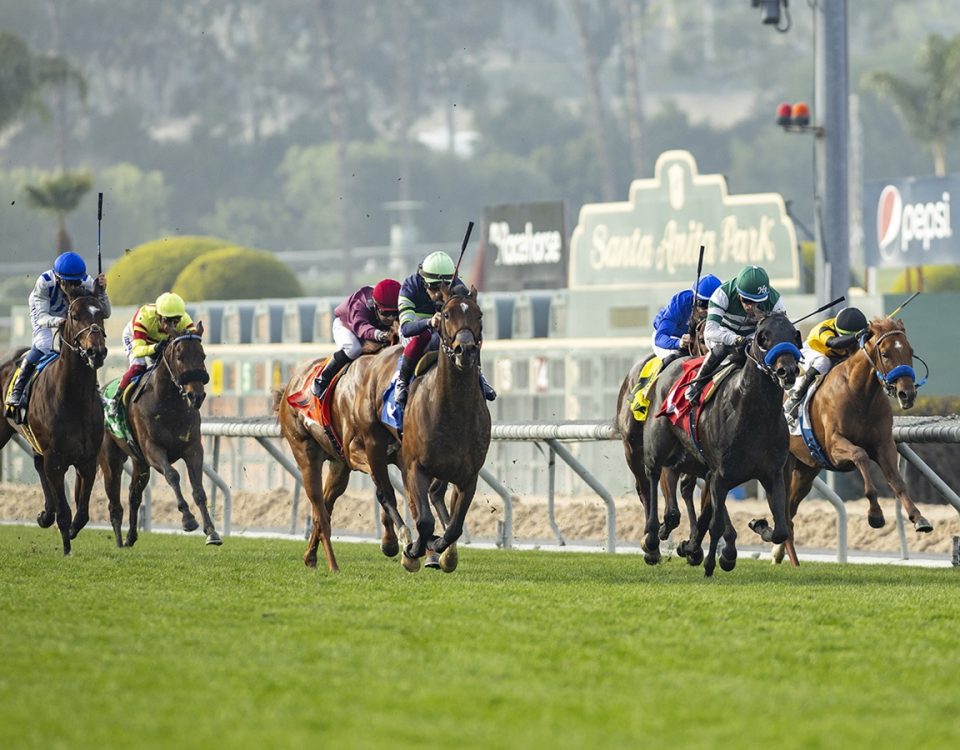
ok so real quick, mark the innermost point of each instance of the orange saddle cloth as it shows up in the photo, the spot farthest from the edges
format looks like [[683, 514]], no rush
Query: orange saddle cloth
[[313, 409]]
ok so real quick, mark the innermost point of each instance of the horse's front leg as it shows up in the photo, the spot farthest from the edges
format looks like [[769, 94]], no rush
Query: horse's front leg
[[776, 490], [447, 544], [843, 450], [418, 486], [887, 458], [650, 544], [111, 462], [437, 494], [718, 495], [48, 515], [157, 457], [194, 461], [55, 474], [86, 474], [139, 478]]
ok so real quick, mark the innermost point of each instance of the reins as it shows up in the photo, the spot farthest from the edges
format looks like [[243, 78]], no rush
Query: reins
[[189, 376], [769, 356], [74, 346]]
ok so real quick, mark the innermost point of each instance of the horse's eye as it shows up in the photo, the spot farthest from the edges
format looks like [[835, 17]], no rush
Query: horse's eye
[[446, 316], [884, 355]]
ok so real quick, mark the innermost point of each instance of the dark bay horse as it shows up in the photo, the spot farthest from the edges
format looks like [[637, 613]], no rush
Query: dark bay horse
[[742, 436], [164, 422], [446, 432], [367, 445], [852, 421], [65, 416]]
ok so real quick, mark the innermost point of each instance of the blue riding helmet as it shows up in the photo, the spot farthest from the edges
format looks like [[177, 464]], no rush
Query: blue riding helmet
[[707, 286], [70, 266]]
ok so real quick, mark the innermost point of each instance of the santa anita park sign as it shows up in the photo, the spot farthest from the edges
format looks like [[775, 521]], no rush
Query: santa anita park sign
[[654, 238]]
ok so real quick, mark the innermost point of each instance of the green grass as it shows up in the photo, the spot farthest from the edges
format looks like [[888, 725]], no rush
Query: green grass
[[174, 645]]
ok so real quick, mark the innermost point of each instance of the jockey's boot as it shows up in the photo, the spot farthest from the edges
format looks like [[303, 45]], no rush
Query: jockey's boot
[[488, 392], [709, 366], [797, 394], [16, 394], [337, 362], [405, 368]]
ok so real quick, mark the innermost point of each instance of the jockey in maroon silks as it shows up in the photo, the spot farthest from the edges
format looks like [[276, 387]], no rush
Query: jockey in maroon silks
[[421, 297]]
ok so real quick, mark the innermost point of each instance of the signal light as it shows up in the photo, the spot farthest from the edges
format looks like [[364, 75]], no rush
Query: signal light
[[795, 118], [784, 112], [800, 114]]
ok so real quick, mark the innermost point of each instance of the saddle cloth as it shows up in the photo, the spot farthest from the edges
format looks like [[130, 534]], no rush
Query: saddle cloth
[[679, 410], [390, 413], [19, 413], [640, 394], [313, 410], [803, 427]]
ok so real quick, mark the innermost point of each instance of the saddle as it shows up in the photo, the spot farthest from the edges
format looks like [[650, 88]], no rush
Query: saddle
[[392, 415], [19, 413], [317, 411], [640, 394], [679, 410], [118, 425]]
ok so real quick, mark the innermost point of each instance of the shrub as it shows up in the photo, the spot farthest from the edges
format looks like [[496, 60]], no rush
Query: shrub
[[236, 273], [150, 269], [935, 279]]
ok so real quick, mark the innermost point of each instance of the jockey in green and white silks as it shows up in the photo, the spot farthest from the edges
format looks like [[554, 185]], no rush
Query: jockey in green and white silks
[[732, 317]]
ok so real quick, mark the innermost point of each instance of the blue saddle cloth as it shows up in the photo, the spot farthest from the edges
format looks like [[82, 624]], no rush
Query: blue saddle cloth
[[391, 414], [809, 439]]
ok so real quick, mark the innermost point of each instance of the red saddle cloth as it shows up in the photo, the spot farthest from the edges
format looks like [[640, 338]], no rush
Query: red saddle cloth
[[675, 406], [317, 410]]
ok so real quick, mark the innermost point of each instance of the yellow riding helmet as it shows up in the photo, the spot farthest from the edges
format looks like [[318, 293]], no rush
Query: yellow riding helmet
[[170, 305]]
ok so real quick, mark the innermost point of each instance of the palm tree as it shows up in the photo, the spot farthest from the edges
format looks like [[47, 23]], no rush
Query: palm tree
[[930, 109], [60, 195]]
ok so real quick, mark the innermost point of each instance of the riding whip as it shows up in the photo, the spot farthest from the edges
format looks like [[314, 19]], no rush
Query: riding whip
[[827, 306], [463, 249], [691, 326], [99, 219], [909, 299]]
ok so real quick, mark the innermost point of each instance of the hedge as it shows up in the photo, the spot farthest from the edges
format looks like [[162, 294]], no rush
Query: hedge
[[236, 273], [935, 279], [150, 269]]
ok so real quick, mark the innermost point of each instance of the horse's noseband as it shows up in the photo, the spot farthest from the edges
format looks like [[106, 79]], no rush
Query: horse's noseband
[[888, 379], [197, 375]]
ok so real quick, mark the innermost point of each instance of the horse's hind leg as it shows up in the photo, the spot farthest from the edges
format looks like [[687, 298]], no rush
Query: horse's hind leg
[[338, 476], [671, 512], [446, 545], [86, 474], [389, 514], [728, 555], [138, 483], [111, 466], [48, 515], [437, 494], [418, 486], [55, 475], [887, 458], [718, 521], [194, 460]]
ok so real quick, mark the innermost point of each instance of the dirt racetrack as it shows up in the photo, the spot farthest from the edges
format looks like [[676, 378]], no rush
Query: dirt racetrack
[[580, 519]]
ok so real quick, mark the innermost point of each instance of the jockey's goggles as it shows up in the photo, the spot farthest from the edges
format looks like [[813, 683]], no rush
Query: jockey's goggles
[[70, 282], [434, 284], [703, 304], [387, 313], [170, 320]]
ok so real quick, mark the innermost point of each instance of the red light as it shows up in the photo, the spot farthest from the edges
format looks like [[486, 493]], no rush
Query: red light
[[800, 114], [783, 114]]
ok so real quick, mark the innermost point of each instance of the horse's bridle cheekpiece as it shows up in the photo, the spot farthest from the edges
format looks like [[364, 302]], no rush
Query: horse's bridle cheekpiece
[[889, 378], [190, 376]]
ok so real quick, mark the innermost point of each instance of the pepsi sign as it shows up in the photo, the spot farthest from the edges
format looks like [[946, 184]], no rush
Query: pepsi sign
[[908, 222]]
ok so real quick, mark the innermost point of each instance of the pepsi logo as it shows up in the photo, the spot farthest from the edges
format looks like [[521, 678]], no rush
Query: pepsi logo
[[889, 214]]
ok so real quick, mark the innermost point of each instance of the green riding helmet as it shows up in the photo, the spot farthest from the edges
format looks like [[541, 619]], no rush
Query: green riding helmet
[[753, 284], [850, 320], [437, 266]]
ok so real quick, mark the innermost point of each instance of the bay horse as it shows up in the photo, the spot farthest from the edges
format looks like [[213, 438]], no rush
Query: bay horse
[[164, 424], [366, 444], [65, 416], [852, 421], [446, 432], [742, 436]]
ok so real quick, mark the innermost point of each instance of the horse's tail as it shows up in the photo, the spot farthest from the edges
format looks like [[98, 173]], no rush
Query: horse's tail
[[275, 395]]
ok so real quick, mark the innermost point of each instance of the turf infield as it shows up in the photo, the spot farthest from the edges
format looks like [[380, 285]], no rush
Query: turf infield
[[173, 644]]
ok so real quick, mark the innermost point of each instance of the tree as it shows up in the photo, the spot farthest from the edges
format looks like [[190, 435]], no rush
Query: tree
[[930, 108], [60, 195]]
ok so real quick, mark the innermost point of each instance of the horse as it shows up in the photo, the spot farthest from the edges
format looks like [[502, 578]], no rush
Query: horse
[[446, 432], [65, 416], [365, 444], [164, 424], [852, 420], [742, 436]]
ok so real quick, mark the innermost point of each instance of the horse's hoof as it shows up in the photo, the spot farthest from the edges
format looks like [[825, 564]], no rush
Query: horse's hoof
[[449, 559], [695, 557], [664, 532], [390, 548], [758, 525], [190, 524], [708, 571], [432, 560], [131, 540], [213, 538], [310, 561], [651, 558], [876, 522], [44, 521], [727, 564], [74, 532], [410, 564], [923, 526], [777, 553]]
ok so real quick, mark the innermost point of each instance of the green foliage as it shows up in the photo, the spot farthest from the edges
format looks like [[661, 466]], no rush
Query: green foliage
[[236, 273], [150, 269], [935, 279], [61, 193]]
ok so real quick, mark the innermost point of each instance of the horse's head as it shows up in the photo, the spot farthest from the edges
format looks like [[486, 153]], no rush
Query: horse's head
[[83, 330], [886, 346], [776, 348], [461, 327], [184, 358]]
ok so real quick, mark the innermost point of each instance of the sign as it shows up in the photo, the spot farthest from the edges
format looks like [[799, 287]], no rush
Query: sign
[[246, 377], [907, 222], [216, 377], [654, 238], [524, 247]]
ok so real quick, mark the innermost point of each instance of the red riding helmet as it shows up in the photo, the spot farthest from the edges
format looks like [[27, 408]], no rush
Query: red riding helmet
[[386, 294]]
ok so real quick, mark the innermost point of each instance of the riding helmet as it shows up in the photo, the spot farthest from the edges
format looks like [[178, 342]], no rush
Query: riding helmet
[[170, 305], [753, 284], [707, 286], [437, 266], [70, 266], [850, 320], [386, 294]]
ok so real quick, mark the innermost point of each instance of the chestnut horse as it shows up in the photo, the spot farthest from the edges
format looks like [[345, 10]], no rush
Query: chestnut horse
[[852, 421], [742, 436], [65, 416], [164, 423]]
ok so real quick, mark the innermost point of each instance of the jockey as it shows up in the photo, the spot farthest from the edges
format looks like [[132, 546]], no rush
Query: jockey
[[146, 335], [48, 309], [829, 343], [366, 315], [732, 318], [421, 297], [675, 320]]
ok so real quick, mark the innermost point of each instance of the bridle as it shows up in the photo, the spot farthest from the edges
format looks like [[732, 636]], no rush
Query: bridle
[[888, 379], [445, 345], [766, 358], [74, 345], [189, 376]]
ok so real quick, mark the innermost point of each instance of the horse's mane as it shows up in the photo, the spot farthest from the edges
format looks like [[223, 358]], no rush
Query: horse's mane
[[885, 325]]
